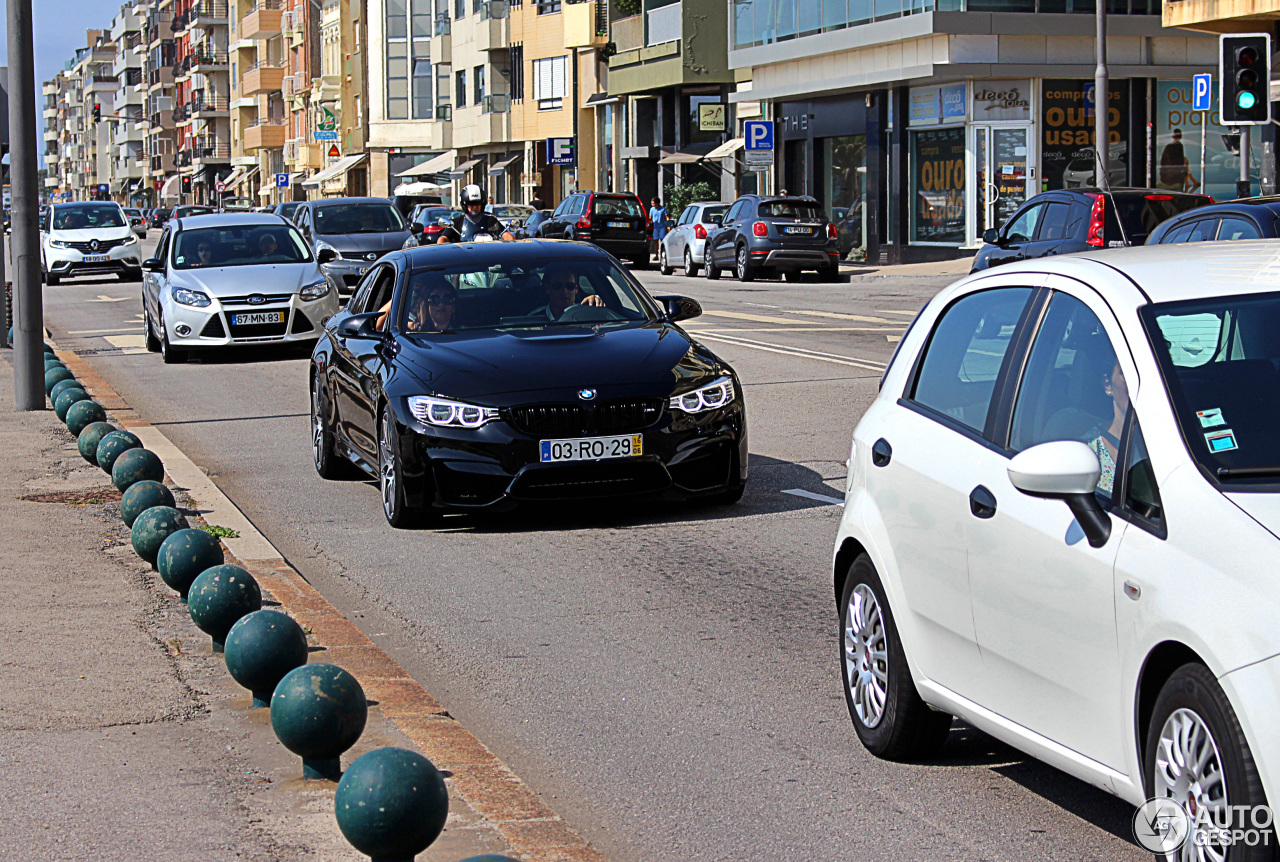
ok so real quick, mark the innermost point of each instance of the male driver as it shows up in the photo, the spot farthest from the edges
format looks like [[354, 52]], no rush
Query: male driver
[[267, 245], [560, 286]]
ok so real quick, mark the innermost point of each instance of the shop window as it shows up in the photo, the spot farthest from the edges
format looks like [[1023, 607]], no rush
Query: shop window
[[937, 186], [844, 174], [694, 135]]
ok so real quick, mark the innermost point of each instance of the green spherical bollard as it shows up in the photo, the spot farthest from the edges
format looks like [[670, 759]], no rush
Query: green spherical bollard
[[136, 465], [63, 402], [261, 648], [391, 804], [89, 439], [152, 527], [50, 364], [112, 446], [82, 414], [62, 386], [54, 376], [219, 597], [184, 554], [144, 495], [318, 711]]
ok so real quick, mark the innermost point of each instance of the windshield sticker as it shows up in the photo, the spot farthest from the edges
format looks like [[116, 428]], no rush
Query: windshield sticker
[[1211, 418], [1221, 441]]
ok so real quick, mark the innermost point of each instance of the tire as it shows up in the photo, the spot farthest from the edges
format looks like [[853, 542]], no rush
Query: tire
[[888, 714], [712, 271], [329, 465], [171, 355], [399, 513], [51, 279], [152, 343], [641, 263], [829, 274], [1192, 699], [690, 268], [130, 275], [795, 277], [664, 265], [742, 265]]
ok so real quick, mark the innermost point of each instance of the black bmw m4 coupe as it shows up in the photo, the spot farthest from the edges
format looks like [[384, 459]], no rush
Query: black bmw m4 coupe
[[479, 375]]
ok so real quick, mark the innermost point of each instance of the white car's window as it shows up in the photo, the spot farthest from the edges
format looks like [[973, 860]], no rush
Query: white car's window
[[964, 354]]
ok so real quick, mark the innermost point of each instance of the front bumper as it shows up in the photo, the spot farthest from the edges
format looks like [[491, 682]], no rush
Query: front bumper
[[212, 327], [497, 466], [67, 262]]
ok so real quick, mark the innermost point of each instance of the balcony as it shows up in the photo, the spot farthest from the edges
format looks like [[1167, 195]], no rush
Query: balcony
[[125, 60], [264, 135], [128, 132], [261, 78], [492, 33], [50, 134], [162, 164], [263, 22], [102, 84], [586, 25], [628, 33], [210, 150], [161, 77], [50, 113], [664, 24], [129, 96], [207, 13], [205, 62], [50, 182], [182, 159], [498, 103], [201, 108], [442, 48]]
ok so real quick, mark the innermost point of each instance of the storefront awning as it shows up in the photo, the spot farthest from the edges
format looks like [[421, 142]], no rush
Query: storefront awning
[[501, 167], [415, 189], [233, 178], [335, 170], [598, 99], [728, 148], [170, 187], [461, 171], [435, 165], [679, 158]]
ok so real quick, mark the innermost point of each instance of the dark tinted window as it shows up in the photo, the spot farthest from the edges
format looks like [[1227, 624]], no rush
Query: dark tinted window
[[1054, 223], [791, 209], [357, 218], [1178, 234], [1140, 214], [709, 214], [1141, 495], [1238, 227], [620, 205], [87, 216], [1203, 230]]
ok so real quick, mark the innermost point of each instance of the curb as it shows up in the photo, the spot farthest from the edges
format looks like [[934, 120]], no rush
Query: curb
[[497, 794]]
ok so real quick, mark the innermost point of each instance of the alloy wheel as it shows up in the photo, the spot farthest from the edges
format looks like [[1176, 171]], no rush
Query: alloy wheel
[[317, 428], [866, 655], [1189, 770], [689, 269], [387, 469]]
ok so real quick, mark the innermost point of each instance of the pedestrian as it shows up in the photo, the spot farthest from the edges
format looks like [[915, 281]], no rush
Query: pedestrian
[[658, 215], [538, 203]]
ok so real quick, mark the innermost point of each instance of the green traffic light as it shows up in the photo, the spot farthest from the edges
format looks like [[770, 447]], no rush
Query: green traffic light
[[1245, 100]]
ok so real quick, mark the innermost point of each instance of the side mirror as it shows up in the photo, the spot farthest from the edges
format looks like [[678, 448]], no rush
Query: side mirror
[[326, 255], [1066, 470], [991, 236], [153, 264], [680, 307], [361, 326], [417, 228]]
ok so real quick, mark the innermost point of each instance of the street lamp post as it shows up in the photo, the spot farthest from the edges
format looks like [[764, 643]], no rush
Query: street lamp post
[[28, 330], [1101, 102]]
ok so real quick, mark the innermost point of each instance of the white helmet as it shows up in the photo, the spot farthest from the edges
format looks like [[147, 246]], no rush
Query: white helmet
[[472, 194]]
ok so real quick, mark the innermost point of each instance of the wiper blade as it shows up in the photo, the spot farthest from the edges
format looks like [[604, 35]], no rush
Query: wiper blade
[[1247, 472]]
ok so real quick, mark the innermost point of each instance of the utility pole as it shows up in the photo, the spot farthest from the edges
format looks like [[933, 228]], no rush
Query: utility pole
[[1101, 102], [28, 331]]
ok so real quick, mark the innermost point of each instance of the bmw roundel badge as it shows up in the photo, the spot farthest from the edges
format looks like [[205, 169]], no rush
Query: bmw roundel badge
[[587, 394]]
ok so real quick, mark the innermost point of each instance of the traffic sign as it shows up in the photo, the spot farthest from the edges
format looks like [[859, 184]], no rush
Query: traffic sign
[[220, 186], [282, 181], [758, 135], [562, 151], [1201, 92], [334, 152], [324, 136]]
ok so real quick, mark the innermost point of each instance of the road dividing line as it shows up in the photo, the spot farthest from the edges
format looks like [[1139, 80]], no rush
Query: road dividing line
[[861, 318], [102, 297], [895, 311], [809, 495], [100, 331], [123, 341], [799, 352], [757, 318]]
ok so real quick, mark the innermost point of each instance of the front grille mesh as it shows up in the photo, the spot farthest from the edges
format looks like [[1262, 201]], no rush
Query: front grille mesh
[[104, 245], [573, 420]]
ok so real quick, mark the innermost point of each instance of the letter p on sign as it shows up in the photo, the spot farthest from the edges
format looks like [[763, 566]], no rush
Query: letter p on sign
[[758, 134], [1201, 92]]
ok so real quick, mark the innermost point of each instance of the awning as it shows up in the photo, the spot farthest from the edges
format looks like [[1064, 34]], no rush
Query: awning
[[335, 170], [728, 148], [170, 187], [679, 158], [434, 165], [233, 178], [598, 99], [500, 168], [414, 189], [463, 169]]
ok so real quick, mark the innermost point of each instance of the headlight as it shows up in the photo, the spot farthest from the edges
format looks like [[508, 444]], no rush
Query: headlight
[[710, 397], [190, 297], [322, 245], [130, 240], [57, 243], [450, 414], [312, 292]]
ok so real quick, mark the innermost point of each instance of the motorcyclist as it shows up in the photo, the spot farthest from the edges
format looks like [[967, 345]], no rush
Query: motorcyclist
[[474, 223]]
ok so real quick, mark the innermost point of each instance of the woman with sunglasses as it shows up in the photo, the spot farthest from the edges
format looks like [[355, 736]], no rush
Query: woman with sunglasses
[[433, 308]]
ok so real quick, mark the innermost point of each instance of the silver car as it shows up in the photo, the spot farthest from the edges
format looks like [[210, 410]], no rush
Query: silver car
[[684, 242], [232, 279]]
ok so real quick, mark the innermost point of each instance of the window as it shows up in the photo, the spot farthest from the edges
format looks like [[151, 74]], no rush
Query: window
[[550, 85], [1072, 388], [460, 88], [735, 212], [422, 89], [515, 62], [546, 7], [408, 76], [459, 8], [1023, 226], [1204, 230], [479, 84], [1178, 234], [962, 360], [1238, 227], [1141, 495], [686, 216], [1054, 223], [397, 79]]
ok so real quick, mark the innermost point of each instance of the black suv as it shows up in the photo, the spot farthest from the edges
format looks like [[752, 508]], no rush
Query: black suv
[[1071, 220], [617, 223], [157, 218], [760, 235], [1247, 218]]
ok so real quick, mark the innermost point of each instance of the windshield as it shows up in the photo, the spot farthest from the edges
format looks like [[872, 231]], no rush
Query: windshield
[[87, 217], [510, 211], [133, 212], [358, 218], [239, 245], [522, 294], [616, 205], [1219, 358], [791, 209]]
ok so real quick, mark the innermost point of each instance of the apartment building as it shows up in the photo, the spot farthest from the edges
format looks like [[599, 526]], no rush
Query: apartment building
[[339, 102], [161, 136], [300, 23], [79, 155], [129, 123]]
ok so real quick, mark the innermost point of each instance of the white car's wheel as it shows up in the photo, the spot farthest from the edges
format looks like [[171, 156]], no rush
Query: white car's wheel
[[664, 265], [690, 268]]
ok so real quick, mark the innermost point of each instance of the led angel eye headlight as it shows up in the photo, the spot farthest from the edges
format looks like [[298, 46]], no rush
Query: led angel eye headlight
[[450, 414], [713, 396]]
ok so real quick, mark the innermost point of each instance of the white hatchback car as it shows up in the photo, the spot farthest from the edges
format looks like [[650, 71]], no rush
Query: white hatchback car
[[1061, 524]]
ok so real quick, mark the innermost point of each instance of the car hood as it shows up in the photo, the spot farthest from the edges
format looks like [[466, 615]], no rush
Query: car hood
[[87, 234], [267, 279], [531, 365], [380, 243]]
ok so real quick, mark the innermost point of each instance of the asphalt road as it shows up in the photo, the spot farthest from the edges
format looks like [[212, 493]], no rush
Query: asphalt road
[[666, 676]]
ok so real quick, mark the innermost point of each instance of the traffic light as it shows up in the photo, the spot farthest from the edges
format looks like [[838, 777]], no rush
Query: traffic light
[[97, 112], [1245, 73], [186, 185]]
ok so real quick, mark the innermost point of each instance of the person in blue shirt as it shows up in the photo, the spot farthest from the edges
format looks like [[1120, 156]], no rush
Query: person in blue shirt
[[658, 215]]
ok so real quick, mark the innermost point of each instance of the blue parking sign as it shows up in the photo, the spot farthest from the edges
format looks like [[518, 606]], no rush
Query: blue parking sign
[[1201, 92], [758, 135], [282, 181]]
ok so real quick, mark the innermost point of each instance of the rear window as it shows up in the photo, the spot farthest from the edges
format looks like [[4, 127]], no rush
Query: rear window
[[791, 209], [1140, 214], [616, 205], [708, 213]]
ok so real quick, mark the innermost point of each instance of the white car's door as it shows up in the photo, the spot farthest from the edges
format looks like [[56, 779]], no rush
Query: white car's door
[[1043, 598], [924, 451]]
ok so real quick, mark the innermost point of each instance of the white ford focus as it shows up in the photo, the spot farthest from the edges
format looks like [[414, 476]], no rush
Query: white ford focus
[[1062, 523]]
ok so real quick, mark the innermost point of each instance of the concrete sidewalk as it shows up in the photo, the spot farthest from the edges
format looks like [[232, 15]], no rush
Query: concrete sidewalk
[[125, 738]]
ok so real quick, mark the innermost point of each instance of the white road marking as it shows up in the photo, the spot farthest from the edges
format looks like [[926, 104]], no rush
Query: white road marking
[[102, 297], [125, 340], [757, 318], [800, 352], [761, 305], [809, 495], [895, 311], [893, 339], [99, 331], [861, 318]]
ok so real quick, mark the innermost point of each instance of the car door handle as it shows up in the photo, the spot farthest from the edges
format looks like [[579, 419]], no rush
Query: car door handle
[[982, 503], [881, 452]]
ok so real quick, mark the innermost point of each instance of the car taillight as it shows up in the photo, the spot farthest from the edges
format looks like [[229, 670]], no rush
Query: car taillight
[[699, 231], [434, 228], [585, 222], [831, 231], [760, 229], [1159, 197], [1096, 218], [648, 219]]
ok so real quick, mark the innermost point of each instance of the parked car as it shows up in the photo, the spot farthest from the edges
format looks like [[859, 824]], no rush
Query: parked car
[[686, 240], [529, 228], [236, 205], [137, 221], [357, 231], [188, 210], [227, 280], [1249, 218], [761, 235], [464, 403], [618, 223], [157, 218], [1082, 170], [1061, 522], [286, 209], [433, 220], [508, 213], [1071, 220], [88, 238]]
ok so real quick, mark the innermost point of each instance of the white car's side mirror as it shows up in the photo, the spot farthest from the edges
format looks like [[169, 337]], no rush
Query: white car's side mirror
[[1066, 470]]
